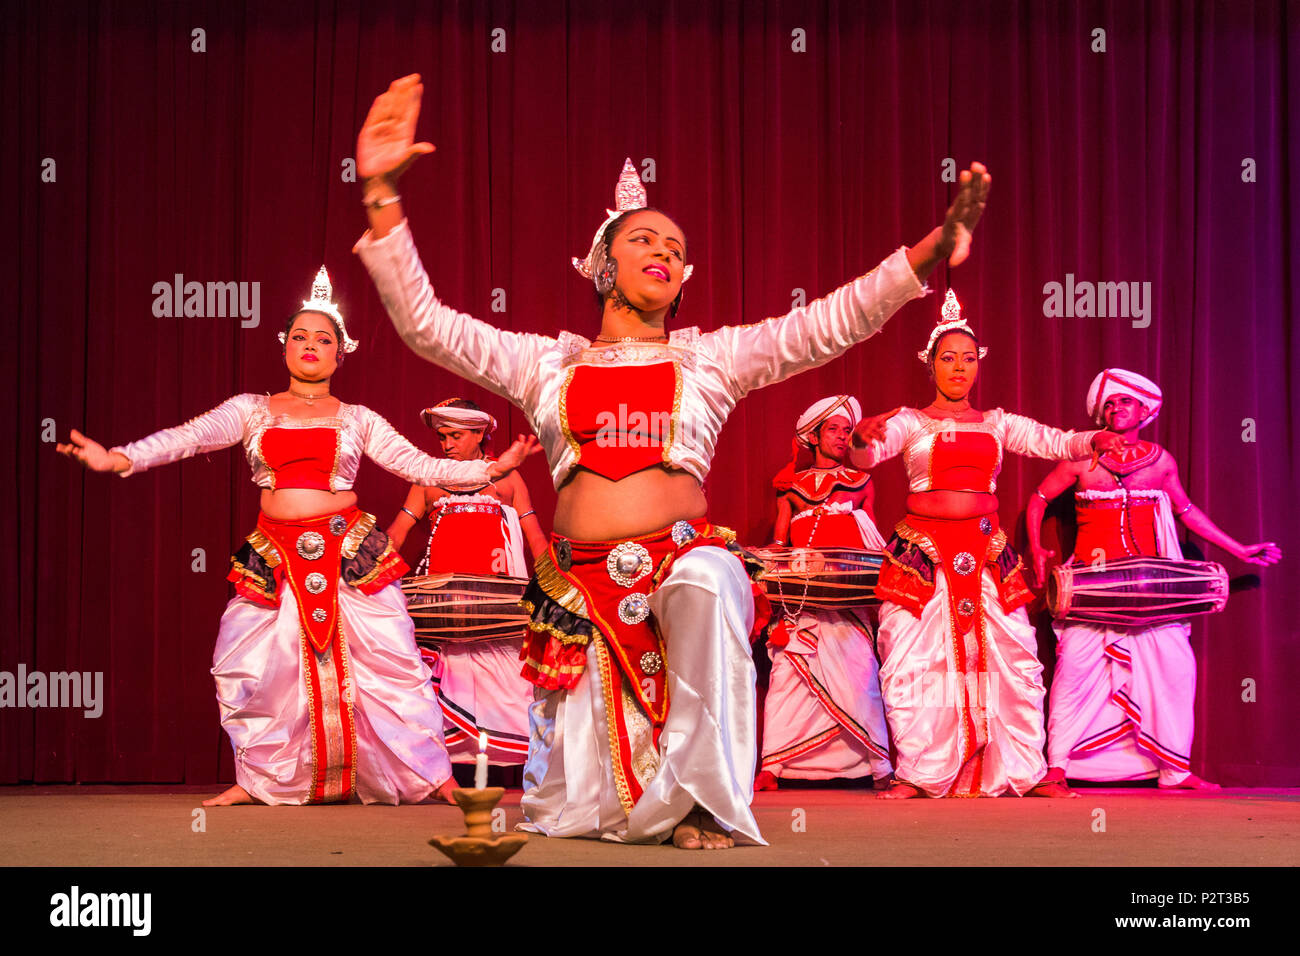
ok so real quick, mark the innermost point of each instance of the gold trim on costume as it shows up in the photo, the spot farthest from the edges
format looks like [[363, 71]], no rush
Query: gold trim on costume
[[357, 533], [552, 630], [557, 587], [564, 416], [675, 418], [265, 547], [251, 579], [379, 566], [997, 544], [611, 725], [920, 539]]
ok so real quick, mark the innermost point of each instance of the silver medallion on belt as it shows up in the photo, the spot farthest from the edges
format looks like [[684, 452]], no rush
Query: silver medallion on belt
[[628, 563]]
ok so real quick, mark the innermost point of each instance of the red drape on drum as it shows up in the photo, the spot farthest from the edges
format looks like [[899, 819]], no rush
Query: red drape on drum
[[795, 144]]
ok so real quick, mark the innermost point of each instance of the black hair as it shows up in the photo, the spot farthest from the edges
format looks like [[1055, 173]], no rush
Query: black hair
[[338, 333], [607, 242]]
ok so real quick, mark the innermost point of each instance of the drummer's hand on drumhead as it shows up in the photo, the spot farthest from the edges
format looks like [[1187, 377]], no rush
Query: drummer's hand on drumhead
[[514, 456], [1040, 556], [1265, 553]]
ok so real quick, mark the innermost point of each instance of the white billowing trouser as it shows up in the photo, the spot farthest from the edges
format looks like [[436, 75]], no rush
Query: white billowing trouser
[[258, 667], [823, 698], [928, 712], [707, 748], [1122, 702]]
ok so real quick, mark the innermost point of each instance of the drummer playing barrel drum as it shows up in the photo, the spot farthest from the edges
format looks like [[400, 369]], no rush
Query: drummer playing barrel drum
[[481, 533], [1121, 700], [823, 716]]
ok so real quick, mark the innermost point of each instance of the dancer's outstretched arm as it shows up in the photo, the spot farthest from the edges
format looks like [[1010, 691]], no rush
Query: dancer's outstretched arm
[[773, 350], [501, 361]]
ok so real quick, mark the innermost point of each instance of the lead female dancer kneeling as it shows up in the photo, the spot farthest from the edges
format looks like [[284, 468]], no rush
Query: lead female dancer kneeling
[[644, 724]]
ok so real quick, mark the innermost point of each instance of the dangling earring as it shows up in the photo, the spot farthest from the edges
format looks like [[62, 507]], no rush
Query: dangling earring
[[607, 275], [677, 304]]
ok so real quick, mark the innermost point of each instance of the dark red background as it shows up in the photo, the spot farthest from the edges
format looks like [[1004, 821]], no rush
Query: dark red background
[[786, 170]]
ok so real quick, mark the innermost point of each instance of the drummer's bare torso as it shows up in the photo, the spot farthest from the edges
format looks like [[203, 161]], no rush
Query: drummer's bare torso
[[858, 498], [292, 504], [502, 489], [1146, 468]]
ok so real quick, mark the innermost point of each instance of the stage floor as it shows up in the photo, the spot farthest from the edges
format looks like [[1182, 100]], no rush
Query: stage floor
[[157, 826]]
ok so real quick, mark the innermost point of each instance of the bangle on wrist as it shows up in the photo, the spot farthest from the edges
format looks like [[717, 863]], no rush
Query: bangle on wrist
[[1046, 499], [381, 202]]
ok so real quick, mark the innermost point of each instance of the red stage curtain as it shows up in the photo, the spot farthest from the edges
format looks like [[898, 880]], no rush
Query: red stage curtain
[[796, 144]]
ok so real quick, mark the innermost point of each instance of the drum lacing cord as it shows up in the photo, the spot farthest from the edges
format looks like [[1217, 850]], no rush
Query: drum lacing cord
[[1127, 519], [792, 618]]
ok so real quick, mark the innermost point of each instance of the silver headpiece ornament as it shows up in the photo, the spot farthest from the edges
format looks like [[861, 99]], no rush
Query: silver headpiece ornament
[[950, 320], [629, 194], [321, 294]]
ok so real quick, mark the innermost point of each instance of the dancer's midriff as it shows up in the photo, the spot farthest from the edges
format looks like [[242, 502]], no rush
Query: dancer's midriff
[[293, 504], [951, 504], [594, 508]]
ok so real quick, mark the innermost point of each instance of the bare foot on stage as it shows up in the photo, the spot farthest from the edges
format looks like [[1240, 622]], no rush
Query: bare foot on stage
[[443, 793], [230, 798], [1191, 782], [899, 791], [1052, 785], [766, 780], [882, 783], [699, 831]]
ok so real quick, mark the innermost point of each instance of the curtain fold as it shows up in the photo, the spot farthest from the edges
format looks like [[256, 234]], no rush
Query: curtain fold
[[795, 144]]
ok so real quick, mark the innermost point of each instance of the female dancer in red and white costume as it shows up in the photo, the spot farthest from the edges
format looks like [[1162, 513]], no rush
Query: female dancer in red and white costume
[[823, 716], [959, 668], [480, 532], [320, 686], [640, 731]]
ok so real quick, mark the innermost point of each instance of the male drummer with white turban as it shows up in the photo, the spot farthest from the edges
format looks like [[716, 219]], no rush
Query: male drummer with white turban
[[823, 717], [479, 685], [1121, 705]]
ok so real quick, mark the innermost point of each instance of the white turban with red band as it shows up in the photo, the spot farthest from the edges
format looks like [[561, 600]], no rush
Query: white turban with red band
[[1118, 381], [819, 412], [445, 416]]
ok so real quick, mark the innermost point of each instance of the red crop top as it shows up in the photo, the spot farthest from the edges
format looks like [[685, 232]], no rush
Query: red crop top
[[963, 461], [623, 419], [300, 457]]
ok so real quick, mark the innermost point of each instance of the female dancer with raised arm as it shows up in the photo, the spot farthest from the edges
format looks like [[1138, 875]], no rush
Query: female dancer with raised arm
[[320, 685], [644, 725], [959, 667]]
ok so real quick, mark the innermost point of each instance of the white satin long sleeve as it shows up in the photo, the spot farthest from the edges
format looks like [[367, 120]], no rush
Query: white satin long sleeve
[[390, 450], [219, 428], [502, 362], [898, 428], [1024, 436], [775, 349]]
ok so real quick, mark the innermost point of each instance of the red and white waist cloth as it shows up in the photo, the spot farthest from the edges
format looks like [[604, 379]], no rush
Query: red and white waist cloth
[[318, 680], [478, 684], [835, 525], [959, 673], [474, 534], [1122, 702], [585, 591]]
